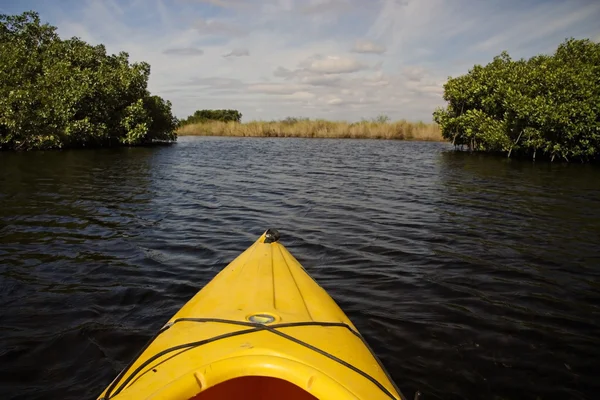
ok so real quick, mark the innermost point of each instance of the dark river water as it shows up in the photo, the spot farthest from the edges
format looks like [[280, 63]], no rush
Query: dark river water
[[470, 276]]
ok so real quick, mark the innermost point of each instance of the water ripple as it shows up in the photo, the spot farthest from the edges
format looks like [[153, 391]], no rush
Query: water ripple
[[471, 277]]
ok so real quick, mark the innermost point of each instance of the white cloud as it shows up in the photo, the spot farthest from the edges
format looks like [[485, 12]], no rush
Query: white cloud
[[367, 46], [237, 53], [300, 96], [324, 6], [214, 81], [275, 88], [215, 27], [541, 23], [321, 80], [238, 4], [335, 65], [414, 73], [183, 51], [225, 3], [315, 57], [283, 72]]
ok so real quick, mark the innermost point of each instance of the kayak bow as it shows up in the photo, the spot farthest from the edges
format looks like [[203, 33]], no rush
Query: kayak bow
[[261, 329]]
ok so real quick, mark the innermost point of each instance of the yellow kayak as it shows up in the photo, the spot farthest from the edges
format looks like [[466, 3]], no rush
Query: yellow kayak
[[261, 329]]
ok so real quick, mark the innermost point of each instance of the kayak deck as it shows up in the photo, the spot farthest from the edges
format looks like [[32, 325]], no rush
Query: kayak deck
[[262, 328]]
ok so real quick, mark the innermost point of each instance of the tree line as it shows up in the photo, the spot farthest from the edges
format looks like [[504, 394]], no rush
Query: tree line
[[57, 93], [546, 107], [201, 116]]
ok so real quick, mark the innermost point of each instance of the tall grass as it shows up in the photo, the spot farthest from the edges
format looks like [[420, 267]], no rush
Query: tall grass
[[401, 130]]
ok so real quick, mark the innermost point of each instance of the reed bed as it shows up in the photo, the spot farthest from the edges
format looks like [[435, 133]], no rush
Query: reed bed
[[399, 130]]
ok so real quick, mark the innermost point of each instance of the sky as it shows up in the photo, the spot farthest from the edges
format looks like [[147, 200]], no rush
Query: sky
[[333, 59]]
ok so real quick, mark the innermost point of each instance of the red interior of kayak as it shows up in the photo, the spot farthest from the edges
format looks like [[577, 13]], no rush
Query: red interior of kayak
[[254, 388]]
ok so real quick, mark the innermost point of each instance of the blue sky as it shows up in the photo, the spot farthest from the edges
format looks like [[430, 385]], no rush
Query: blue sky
[[334, 59]]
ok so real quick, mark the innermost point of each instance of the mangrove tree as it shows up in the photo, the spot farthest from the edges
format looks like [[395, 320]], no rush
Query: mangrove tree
[[57, 93], [546, 106], [201, 116]]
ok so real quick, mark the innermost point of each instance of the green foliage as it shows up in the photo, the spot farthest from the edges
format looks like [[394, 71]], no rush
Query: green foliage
[[380, 119], [212, 115], [294, 120], [547, 106], [58, 93], [163, 122]]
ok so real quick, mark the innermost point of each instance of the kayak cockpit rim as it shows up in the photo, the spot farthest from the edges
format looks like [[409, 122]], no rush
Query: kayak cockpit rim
[[254, 327]]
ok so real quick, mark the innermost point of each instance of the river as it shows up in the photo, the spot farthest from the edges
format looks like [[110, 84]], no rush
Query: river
[[470, 276]]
